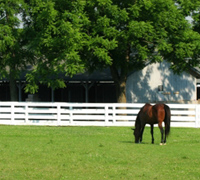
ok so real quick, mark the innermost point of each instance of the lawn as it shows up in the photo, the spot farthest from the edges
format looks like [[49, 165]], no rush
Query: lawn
[[33, 152]]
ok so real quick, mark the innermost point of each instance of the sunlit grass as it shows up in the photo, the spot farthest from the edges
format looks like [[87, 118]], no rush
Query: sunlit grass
[[31, 152]]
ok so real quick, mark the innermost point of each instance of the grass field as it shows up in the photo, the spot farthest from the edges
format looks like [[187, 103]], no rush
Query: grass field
[[32, 152]]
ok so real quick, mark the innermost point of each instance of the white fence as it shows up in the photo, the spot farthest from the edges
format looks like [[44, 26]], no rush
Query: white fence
[[89, 114]]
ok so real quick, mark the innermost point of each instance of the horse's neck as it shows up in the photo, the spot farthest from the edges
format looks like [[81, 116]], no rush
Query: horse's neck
[[137, 122]]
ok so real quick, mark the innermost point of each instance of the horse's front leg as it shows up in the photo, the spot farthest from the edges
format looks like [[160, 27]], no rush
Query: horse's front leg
[[141, 132], [152, 134]]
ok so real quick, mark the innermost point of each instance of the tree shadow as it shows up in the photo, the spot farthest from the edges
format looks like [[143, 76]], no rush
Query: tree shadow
[[142, 86], [127, 142]]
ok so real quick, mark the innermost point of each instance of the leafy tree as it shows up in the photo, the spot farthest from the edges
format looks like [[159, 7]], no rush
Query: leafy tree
[[14, 54], [55, 26], [73, 36], [138, 32], [193, 10]]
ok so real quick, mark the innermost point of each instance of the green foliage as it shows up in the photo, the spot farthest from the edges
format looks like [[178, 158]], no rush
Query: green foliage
[[67, 37], [15, 54], [151, 30], [194, 9], [57, 39], [32, 152], [188, 6]]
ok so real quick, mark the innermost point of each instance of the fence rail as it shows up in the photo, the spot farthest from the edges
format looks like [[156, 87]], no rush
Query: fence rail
[[89, 114]]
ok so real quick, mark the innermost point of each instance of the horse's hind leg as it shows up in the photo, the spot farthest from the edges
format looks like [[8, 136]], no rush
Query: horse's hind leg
[[165, 136], [165, 139], [162, 132]]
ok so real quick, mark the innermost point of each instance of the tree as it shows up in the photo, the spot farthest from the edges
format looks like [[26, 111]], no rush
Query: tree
[[72, 36], [192, 9], [138, 32], [57, 39], [14, 54]]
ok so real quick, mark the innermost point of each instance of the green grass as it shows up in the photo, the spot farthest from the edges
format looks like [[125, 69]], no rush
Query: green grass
[[32, 152]]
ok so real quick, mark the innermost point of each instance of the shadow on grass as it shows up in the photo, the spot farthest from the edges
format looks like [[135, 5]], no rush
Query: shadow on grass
[[126, 142], [143, 143]]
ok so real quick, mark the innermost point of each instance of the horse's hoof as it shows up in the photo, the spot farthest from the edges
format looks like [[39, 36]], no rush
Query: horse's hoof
[[162, 144]]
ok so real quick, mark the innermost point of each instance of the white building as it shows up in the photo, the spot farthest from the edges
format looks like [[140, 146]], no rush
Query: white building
[[157, 83]]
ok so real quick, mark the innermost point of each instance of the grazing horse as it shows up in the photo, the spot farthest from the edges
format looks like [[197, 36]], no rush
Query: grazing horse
[[155, 114]]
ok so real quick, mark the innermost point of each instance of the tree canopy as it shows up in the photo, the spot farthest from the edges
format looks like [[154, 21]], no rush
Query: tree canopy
[[14, 52], [72, 36], [141, 32], [55, 28]]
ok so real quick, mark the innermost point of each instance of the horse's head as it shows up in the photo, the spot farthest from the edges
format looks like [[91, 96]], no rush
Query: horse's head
[[136, 133]]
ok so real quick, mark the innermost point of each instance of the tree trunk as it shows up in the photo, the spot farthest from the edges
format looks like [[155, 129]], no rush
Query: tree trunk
[[119, 74], [120, 83], [13, 86], [13, 90], [121, 91]]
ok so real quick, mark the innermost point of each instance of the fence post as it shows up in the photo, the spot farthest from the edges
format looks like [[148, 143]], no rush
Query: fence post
[[106, 114], [58, 115], [197, 118], [12, 114], [114, 114], [71, 115], [26, 114]]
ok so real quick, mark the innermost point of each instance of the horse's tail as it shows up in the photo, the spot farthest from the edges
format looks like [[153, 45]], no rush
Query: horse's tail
[[167, 119]]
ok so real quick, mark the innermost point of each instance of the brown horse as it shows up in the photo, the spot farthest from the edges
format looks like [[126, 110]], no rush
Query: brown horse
[[149, 114]]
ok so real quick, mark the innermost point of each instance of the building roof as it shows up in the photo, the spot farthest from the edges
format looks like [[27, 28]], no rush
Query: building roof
[[104, 75], [100, 76], [196, 73]]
